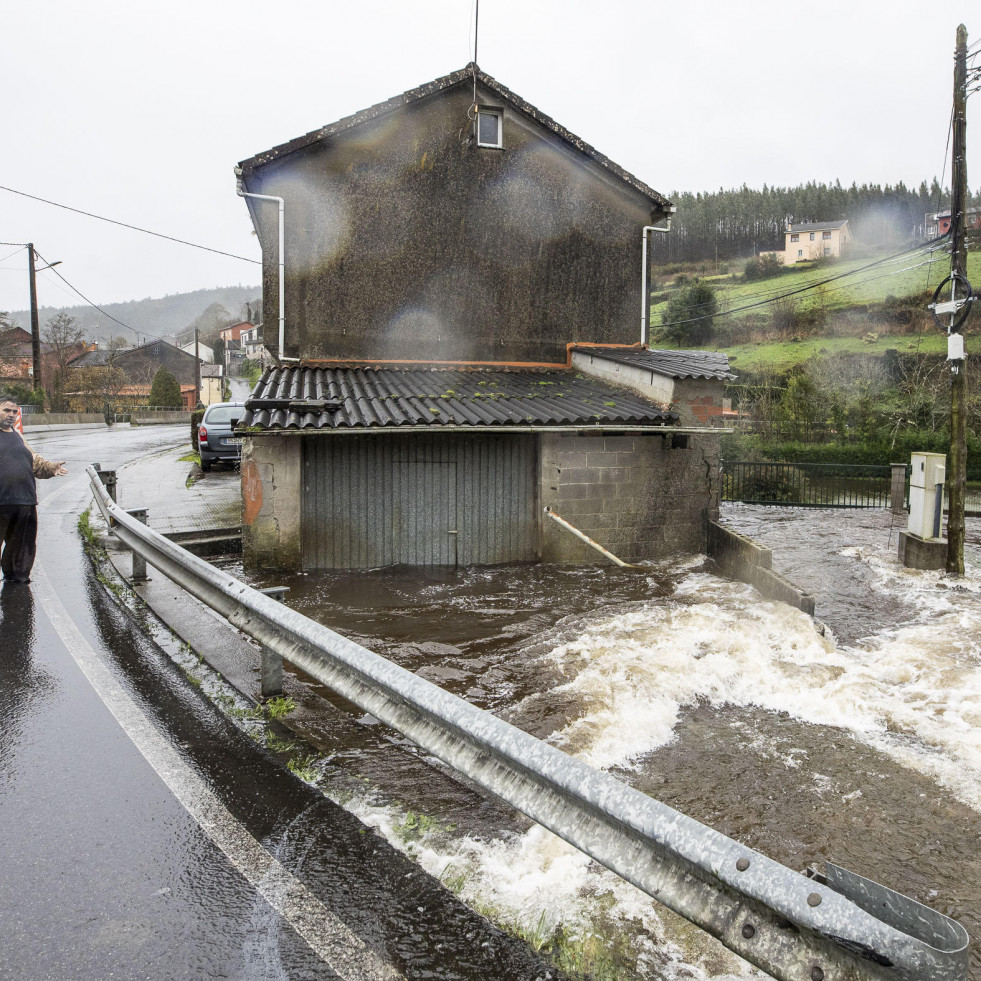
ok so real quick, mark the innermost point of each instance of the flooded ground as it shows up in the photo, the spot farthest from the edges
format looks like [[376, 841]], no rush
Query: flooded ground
[[861, 746]]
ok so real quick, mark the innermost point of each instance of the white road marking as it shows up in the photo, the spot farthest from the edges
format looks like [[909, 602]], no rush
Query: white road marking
[[341, 950]]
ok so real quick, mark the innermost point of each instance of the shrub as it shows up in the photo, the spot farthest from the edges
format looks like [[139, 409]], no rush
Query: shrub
[[165, 392], [687, 319], [769, 485], [763, 267]]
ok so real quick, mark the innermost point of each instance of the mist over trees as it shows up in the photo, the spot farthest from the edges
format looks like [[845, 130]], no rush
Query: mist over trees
[[164, 316], [744, 221]]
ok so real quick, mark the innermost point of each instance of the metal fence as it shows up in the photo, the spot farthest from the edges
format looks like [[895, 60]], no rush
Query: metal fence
[[825, 485], [816, 485], [837, 926]]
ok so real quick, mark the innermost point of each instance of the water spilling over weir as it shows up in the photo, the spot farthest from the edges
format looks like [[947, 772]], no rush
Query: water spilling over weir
[[861, 746]]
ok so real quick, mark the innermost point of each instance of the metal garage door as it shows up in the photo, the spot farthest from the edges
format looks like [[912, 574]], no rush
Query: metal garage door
[[426, 500]]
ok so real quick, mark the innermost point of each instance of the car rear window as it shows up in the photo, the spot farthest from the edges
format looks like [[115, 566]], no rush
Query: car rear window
[[225, 413]]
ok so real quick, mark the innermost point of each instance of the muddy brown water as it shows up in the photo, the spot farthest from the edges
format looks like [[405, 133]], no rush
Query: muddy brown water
[[860, 747]]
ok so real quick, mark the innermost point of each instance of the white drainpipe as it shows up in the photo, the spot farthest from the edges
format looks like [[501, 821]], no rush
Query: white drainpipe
[[645, 305], [242, 193]]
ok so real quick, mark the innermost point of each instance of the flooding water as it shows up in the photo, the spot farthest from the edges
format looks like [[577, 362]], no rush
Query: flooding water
[[861, 745]]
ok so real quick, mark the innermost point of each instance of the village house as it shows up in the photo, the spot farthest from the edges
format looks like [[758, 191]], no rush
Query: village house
[[807, 241], [212, 384], [937, 223], [122, 378], [17, 360], [463, 345], [234, 332]]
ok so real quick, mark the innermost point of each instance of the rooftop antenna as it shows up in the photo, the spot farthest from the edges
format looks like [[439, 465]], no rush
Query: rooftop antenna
[[472, 111], [476, 25]]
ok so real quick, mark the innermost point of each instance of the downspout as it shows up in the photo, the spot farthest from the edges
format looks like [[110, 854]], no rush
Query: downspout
[[645, 305], [242, 193]]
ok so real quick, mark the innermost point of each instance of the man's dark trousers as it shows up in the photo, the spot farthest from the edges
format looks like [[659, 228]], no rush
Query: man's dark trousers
[[18, 537]]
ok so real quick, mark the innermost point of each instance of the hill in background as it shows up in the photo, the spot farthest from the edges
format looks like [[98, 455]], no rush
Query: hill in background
[[163, 317]]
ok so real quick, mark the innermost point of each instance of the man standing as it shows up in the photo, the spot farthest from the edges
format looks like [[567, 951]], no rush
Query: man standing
[[19, 466]]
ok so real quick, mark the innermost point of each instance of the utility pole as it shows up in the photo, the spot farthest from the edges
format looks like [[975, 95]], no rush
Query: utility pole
[[197, 371], [35, 326], [957, 478]]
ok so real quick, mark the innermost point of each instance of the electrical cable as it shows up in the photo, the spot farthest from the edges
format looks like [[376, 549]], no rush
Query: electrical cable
[[88, 301], [16, 251], [803, 289], [123, 224]]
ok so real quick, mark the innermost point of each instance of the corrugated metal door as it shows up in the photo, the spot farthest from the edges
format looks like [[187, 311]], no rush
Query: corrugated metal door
[[371, 501]]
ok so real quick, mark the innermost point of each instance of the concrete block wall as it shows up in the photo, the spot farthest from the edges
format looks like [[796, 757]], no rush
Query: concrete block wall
[[698, 402], [271, 503], [639, 496]]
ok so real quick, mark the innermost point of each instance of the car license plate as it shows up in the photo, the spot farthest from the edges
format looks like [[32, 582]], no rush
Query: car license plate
[[235, 441]]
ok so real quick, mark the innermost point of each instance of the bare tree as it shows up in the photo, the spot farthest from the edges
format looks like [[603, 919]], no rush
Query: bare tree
[[65, 340]]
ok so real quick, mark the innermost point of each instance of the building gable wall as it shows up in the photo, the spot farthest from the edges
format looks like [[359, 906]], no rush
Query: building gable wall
[[406, 240]]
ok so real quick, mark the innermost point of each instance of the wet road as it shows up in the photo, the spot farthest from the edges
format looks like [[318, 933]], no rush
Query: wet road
[[145, 836]]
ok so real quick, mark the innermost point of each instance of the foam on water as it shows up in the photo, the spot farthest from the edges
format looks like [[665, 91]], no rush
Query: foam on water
[[911, 690]]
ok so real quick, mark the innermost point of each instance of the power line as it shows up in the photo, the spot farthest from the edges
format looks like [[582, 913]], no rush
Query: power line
[[779, 292], [810, 286], [88, 301], [123, 224], [16, 251]]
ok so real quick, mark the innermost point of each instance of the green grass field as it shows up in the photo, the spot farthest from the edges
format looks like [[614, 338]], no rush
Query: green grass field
[[864, 288]]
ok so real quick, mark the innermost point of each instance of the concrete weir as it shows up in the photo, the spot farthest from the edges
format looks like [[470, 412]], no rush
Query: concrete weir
[[741, 558]]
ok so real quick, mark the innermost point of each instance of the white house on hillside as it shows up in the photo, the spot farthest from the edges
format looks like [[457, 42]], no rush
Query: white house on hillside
[[814, 240]]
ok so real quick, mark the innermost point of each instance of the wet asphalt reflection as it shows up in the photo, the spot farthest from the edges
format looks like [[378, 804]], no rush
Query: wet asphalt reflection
[[105, 874]]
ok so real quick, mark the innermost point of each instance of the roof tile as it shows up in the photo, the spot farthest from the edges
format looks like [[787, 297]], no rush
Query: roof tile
[[359, 398]]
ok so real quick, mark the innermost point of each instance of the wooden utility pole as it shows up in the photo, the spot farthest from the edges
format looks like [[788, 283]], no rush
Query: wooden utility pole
[[957, 477], [35, 326]]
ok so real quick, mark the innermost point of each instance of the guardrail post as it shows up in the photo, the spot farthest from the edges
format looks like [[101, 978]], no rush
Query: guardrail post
[[139, 563], [897, 490], [272, 663], [108, 478]]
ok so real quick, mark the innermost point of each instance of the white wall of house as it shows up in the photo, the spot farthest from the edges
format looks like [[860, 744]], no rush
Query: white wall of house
[[807, 245]]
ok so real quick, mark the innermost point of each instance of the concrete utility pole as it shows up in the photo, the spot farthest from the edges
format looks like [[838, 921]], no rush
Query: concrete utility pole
[[957, 478], [35, 326]]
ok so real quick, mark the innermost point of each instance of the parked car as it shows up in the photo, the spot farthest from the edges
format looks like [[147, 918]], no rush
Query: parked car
[[216, 440]]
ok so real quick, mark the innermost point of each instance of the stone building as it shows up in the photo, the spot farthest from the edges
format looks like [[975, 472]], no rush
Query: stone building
[[463, 280]]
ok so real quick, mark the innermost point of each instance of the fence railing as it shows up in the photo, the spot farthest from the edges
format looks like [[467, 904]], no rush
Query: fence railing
[[819, 485], [825, 485], [837, 926]]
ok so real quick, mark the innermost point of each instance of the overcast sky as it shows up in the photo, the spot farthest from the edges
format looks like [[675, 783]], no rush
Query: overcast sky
[[138, 111]]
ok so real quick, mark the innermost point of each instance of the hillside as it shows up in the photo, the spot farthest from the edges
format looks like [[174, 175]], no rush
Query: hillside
[[151, 317], [862, 309]]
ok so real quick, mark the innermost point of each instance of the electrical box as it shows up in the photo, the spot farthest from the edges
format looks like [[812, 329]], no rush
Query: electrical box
[[926, 494]]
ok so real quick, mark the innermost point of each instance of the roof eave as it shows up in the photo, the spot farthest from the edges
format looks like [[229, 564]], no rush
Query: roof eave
[[252, 164]]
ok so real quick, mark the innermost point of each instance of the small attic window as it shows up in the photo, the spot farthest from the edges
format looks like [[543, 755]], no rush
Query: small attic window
[[489, 128]]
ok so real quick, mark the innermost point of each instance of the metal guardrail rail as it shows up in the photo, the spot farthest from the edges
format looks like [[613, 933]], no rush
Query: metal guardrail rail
[[836, 927]]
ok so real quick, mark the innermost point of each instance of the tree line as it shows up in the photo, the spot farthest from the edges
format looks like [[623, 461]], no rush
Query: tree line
[[744, 221]]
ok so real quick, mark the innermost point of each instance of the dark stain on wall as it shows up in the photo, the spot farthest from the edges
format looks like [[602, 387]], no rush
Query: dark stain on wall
[[407, 240]]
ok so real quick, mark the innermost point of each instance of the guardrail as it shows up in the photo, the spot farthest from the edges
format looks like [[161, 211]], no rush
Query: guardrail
[[835, 927]]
